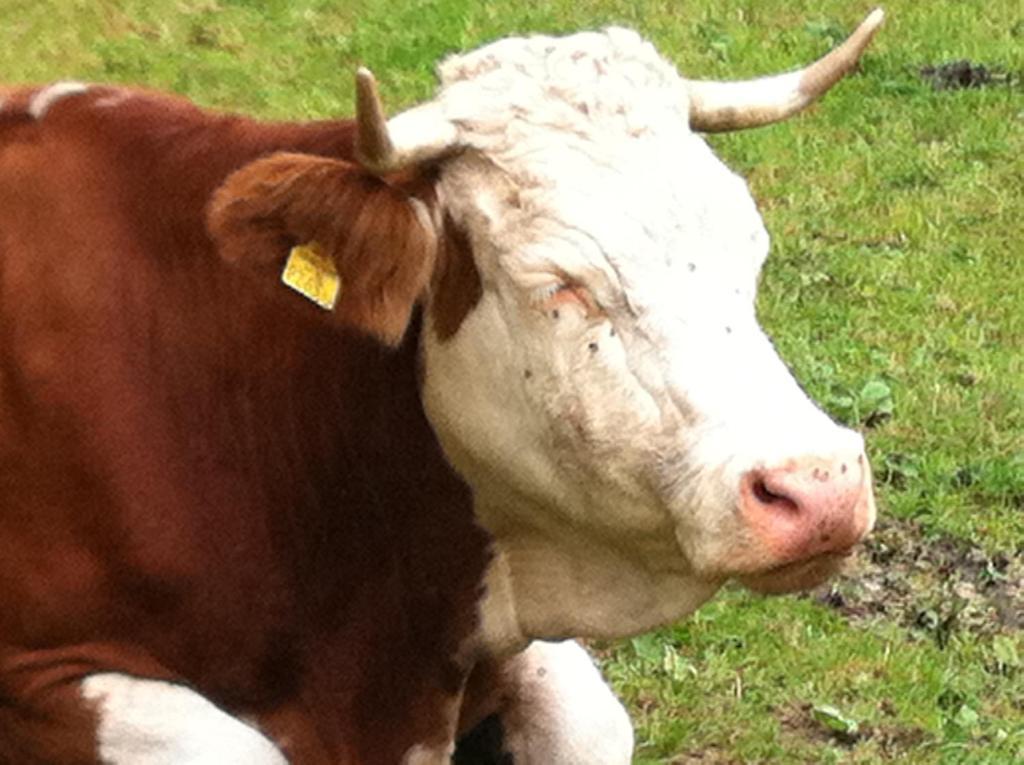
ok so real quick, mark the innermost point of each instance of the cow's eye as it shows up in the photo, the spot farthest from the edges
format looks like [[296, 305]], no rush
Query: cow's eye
[[553, 297]]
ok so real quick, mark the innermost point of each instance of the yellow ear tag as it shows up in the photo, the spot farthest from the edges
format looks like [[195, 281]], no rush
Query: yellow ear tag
[[313, 275]]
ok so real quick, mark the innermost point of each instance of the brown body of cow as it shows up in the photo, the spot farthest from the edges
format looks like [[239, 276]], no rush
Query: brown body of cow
[[200, 480]]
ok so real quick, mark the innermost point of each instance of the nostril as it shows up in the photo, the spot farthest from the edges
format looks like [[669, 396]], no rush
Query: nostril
[[760, 491], [769, 498]]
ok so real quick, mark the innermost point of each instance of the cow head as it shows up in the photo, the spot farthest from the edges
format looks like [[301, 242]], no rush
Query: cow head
[[600, 379]]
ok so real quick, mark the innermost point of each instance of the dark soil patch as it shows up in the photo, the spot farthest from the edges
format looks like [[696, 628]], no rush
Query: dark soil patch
[[939, 585], [958, 75], [890, 739], [710, 756], [798, 720], [893, 740]]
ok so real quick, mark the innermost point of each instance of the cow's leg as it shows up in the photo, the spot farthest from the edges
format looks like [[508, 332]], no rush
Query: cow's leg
[[547, 704], [153, 722]]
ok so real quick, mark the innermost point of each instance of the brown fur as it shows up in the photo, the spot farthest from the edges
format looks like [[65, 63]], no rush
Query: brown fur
[[203, 478], [382, 251], [457, 283]]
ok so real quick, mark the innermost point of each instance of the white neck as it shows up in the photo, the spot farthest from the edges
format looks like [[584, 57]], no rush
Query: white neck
[[545, 585]]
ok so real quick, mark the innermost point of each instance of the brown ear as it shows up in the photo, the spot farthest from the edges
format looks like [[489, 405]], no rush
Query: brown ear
[[383, 250]]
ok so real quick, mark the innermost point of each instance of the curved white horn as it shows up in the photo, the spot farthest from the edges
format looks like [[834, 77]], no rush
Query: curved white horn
[[721, 106], [384, 146]]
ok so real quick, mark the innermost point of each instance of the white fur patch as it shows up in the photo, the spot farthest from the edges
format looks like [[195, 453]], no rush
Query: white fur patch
[[151, 722], [47, 97], [565, 713], [428, 755]]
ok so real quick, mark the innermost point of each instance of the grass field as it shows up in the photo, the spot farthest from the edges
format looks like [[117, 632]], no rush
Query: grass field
[[895, 290]]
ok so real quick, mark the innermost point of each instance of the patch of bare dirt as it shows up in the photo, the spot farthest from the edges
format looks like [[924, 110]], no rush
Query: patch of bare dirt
[[709, 756], [937, 584], [958, 75], [889, 739]]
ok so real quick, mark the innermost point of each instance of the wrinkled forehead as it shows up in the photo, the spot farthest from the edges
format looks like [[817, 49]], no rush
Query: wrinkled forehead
[[582, 152]]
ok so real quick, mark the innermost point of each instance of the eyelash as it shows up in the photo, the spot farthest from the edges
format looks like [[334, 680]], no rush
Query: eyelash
[[545, 294], [550, 296]]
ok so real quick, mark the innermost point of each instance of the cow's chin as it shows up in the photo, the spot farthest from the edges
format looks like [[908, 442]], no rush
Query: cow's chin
[[793, 577]]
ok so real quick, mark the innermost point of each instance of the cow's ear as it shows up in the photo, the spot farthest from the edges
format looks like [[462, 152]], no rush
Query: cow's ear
[[329, 229]]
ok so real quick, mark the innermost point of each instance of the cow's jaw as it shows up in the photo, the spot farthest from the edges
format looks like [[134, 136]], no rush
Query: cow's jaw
[[573, 585], [631, 436]]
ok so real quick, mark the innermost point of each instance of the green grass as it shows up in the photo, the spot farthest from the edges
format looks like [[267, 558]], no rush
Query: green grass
[[741, 678], [895, 290]]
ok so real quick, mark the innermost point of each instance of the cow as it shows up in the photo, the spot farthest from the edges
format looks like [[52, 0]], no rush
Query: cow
[[317, 439]]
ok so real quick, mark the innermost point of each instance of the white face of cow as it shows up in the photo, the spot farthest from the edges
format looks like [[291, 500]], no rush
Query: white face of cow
[[632, 437]]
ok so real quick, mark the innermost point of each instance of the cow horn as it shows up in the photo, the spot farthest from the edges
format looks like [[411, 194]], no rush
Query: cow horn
[[722, 106], [384, 146]]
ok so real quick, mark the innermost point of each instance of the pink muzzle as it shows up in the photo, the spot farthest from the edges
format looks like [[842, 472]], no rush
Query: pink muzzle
[[809, 506]]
